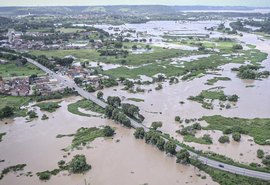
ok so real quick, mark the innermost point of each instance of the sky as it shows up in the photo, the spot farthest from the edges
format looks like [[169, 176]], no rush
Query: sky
[[253, 3]]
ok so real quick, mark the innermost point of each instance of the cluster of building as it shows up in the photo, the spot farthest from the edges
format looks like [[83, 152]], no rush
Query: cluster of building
[[16, 40], [15, 87], [43, 85], [86, 75]]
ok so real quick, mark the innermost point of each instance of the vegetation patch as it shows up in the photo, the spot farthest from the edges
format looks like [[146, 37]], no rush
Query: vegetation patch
[[77, 165], [251, 72], [136, 99], [11, 106], [205, 140], [10, 169], [13, 68], [84, 136], [48, 106], [257, 128], [87, 105], [2, 135], [216, 79], [128, 59], [56, 95], [207, 97]]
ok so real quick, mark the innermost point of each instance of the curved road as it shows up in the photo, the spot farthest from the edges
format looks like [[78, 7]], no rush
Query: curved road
[[212, 163]]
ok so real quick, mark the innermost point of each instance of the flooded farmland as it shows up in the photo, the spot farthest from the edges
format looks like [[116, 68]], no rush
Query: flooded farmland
[[123, 159], [35, 144]]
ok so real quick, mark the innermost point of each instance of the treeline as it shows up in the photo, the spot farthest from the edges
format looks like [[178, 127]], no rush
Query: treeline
[[155, 138], [51, 38], [121, 112], [13, 57], [113, 52], [56, 95], [262, 26], [251, 72]]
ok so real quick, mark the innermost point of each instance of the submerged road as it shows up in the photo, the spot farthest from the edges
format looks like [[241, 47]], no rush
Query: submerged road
[[210, 162]]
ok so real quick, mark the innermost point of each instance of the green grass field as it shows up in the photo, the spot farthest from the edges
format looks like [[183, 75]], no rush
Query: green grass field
[[13, 101], [69, 30], [216, 79], [256, 128], [85, 104], [136, 99], [161, 55], [200, 140], [11, 70], [132, 59]]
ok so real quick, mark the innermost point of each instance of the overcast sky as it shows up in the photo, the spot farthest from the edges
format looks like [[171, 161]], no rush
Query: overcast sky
[[257, 3]]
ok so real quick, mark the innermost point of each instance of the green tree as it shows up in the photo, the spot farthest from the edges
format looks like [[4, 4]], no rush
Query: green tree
[[177, 118], [129, 84], [183, 156], [197, 126], [224, 139], [160, 144], [139, 133], [157, 124], [6, 112], [207, 138], [130, 110], [108, 111], [100, 95], [266, 160], [90, 88], [233, 98], [170, 147], [46, 175], [108, 131], [78, 164], [260, 153], [237, 47], [32, 114], [236, 136], [114, 101], [78, 81]]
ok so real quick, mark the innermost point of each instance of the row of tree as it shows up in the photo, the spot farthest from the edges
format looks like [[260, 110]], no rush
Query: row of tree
[[155, 138]]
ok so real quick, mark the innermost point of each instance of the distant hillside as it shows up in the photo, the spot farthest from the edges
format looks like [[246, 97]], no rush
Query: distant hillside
[[124, 9]]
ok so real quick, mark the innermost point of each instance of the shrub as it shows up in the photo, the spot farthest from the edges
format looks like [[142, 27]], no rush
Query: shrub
[[170, 147], [177, 118], [236, 136], [260, 153], [224, 139], [78, 164], [46, 175], [108, 131], [156, 125], [207, 138], [139, 133]]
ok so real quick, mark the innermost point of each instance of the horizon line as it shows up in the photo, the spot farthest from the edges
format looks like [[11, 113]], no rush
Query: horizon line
[[231, 6]]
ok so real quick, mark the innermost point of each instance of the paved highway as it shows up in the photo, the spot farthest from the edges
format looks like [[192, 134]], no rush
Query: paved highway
[[215, 164]]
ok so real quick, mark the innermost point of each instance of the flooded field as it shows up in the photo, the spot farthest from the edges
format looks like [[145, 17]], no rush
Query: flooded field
[[163, 105], [35, 144], [123, 159]]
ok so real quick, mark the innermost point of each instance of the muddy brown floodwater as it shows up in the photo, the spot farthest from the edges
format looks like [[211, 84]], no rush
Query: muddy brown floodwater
[[121, 160], [163, 105]]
